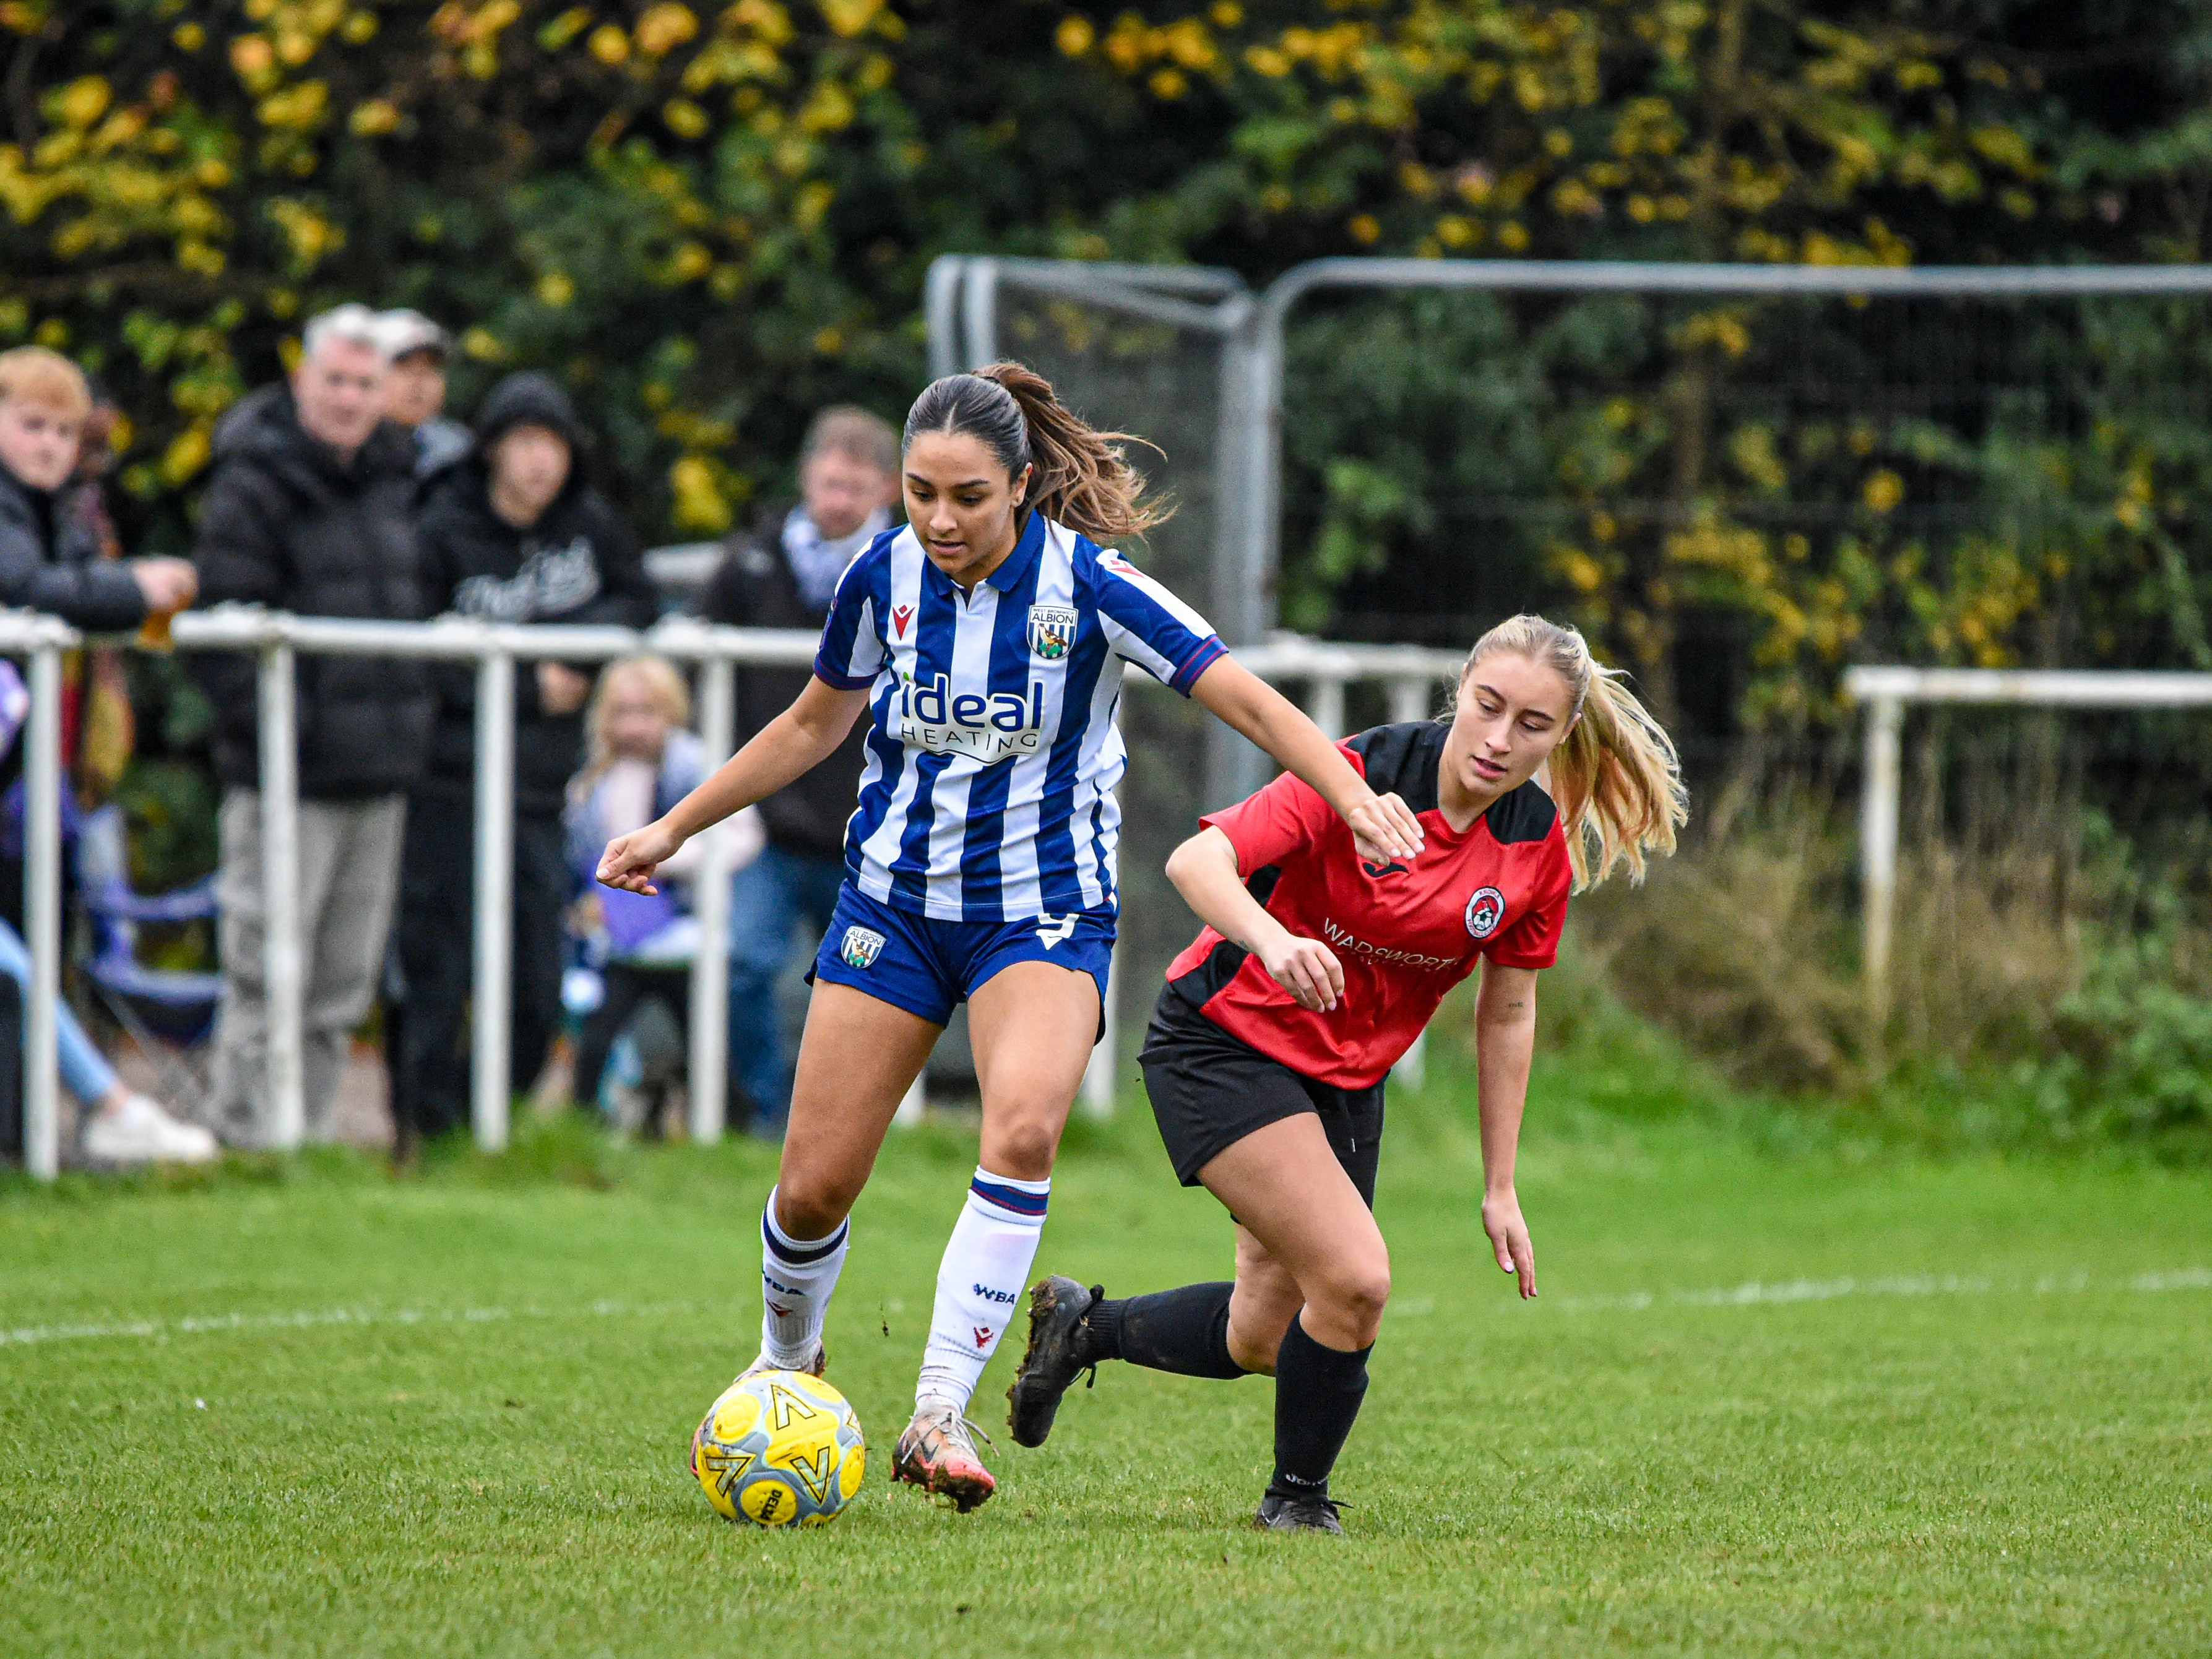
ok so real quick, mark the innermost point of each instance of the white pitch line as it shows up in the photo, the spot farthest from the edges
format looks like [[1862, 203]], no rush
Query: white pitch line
[[1756, 1294], [1753, 1294], [208, 1324]]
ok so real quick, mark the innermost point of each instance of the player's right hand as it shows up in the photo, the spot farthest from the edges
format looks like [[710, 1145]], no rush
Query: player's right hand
[[629, 860], [1307, 969], [166, 584]]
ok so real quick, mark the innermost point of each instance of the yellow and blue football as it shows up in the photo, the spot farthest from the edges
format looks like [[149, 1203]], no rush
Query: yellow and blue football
[[779, 1449]]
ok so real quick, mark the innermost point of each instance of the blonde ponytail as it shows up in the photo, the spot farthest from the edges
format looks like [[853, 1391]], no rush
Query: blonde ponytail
[[1615, 776]]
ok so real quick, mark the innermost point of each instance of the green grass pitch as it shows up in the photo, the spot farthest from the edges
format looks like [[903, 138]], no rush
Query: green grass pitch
[[1813, 1402]]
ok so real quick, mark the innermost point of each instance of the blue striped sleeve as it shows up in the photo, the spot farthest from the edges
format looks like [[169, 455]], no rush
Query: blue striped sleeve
[[1152, 628], [852, 649]]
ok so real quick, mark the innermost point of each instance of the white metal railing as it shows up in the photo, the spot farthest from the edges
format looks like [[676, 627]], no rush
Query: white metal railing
[[1885, 690], [1411, 674]]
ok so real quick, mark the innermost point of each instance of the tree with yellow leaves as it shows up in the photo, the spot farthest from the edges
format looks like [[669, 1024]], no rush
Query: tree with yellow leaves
[[710, 218]]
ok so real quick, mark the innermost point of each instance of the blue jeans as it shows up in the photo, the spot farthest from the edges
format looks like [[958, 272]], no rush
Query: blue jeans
[[85, 1070], [766, 897]]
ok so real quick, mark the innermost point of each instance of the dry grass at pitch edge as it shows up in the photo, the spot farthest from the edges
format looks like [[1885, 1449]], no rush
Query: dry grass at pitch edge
[[1837, 1402], [2049, 990]]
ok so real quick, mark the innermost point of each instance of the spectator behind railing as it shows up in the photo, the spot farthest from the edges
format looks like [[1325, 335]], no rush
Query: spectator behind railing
[[43, 401], [43, 404], [513, 533], [415, 389], [308, 510], [642, 762], [782, 573], [100, 729], [49, 561]]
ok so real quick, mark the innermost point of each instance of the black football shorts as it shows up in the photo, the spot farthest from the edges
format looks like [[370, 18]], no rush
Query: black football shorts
[[1209, 1089]]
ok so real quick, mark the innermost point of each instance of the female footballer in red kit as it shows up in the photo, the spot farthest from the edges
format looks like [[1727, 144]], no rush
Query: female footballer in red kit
[[1315, 971]]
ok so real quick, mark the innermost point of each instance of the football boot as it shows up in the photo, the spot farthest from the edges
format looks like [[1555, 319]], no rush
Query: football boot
[[1279, 1514], [937, 1455], [812, 1368], [1055, 1356]]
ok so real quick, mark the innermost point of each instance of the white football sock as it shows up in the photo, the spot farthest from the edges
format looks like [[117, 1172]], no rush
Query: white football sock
[[797, 1275], [979, 1282]]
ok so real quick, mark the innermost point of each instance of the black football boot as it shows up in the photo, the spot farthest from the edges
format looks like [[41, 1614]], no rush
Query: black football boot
[[1055, 1357], [1301, 1514]]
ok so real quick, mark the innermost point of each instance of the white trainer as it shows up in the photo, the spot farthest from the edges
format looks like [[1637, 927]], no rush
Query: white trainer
[[140, 1132]]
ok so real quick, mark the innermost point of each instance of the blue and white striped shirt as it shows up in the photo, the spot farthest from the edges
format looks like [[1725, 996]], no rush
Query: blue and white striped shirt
[[993, 751]]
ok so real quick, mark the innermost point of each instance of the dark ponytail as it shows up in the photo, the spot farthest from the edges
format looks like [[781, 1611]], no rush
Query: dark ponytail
[[1082, 480]]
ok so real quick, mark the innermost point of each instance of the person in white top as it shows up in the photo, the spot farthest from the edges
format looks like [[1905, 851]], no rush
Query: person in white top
[[642, 762]]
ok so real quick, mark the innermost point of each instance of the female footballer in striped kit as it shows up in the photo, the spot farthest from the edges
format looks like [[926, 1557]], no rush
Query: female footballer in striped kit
[[1314, 972], [984, 641]]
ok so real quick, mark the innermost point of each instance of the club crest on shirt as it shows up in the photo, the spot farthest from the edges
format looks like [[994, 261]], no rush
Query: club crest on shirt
[[862, 947], [1486, 909], [1051, 630]]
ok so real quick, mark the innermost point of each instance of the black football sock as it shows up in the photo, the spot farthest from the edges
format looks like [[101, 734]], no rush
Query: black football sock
[[1317, 1395], [1185, 1331]]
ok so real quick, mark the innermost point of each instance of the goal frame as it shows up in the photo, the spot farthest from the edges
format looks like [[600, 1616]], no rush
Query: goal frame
[[961, 305]]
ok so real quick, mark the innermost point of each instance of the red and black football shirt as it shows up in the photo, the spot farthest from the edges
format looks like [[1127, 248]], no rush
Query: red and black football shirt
[[1405, 935]]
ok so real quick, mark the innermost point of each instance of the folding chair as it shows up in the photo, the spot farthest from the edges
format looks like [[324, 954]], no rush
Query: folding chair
[[166, 1010]]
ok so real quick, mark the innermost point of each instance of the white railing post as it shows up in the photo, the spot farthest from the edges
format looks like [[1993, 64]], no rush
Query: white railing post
[[1877, 810], [284, 1113], [912, 1103], [492, 992], [1325, 705], [1410, 701], [42, 911], [708, 1089]]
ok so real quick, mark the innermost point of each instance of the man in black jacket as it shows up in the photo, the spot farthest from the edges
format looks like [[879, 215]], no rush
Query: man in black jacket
[[511, 533], [307, 511], [783, 573]]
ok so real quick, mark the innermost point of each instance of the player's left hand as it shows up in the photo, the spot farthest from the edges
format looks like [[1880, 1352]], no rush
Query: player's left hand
[[1384, 830], [1508, 1238]]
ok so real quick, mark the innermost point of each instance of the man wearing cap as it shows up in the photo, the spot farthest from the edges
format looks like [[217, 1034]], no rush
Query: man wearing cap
[[511, 533], [415, 388]]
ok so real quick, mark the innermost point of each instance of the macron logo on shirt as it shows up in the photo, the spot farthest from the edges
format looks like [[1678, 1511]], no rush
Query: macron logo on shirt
[[987, 729]]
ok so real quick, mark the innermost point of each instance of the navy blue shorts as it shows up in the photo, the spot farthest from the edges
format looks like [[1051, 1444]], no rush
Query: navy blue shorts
[[927, 966]]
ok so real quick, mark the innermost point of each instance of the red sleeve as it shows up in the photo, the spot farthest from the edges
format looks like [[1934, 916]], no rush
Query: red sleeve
[[1533, 940], [1285, 817]]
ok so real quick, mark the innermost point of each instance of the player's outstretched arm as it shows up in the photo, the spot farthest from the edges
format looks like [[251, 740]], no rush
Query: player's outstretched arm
[[1383, 826], [1204, 871], [1504, 1042], [792, 743]]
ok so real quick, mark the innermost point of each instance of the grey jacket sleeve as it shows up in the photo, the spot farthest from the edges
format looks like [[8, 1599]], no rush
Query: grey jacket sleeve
[[100, 598]]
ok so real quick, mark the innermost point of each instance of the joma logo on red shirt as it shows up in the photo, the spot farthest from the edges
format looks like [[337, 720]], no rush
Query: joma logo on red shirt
[[1344, 940]]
